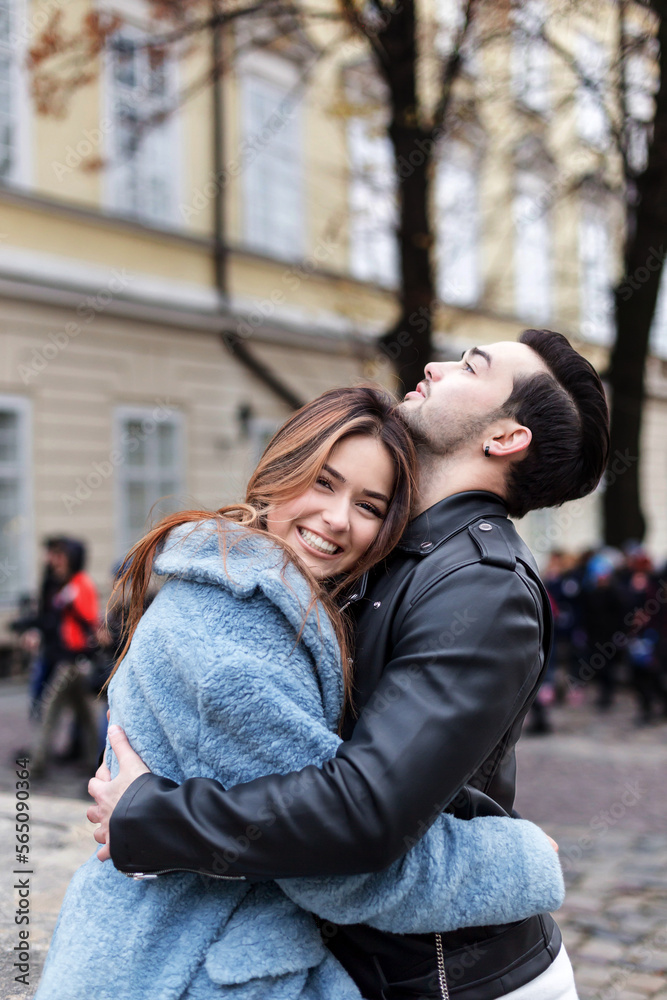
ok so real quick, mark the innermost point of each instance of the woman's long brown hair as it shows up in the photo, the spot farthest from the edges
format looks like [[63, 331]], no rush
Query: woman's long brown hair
[[290, 465]]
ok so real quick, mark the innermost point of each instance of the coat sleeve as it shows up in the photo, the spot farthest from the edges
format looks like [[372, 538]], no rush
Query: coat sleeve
[[462, 873], [437, 713], [260, 707]]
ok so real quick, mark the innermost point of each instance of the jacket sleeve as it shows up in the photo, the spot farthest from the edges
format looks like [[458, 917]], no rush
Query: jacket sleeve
[[438, 712], [438, 884]]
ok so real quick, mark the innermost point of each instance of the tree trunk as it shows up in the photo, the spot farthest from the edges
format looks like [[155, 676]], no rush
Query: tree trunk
[[408, 343], [635, 301]]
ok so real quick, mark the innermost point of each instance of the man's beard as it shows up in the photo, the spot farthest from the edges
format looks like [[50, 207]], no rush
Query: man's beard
[[442, 435]]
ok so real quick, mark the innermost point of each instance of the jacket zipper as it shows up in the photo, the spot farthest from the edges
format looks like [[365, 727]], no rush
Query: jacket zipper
[[141, 876], [442, 978], [359, 593]]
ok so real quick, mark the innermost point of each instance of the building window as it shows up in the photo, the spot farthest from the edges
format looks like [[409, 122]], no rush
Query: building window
[[532, 249], [260, 432], [13, 94], [593, 69], [373, 209], [273, 177], [150, 469], [596, 295], [530, 56], [143, 176], [15, 500], [659, 325], [457, 220], [641, 83]]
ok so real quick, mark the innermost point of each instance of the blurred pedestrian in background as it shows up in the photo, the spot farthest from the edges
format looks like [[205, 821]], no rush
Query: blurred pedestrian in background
[[641, 593], [602, 618], [610, 618], [69, 687], [39, 627], [564, 579]]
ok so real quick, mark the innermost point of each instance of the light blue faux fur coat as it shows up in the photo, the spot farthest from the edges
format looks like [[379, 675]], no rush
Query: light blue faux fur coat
[[216, 684]]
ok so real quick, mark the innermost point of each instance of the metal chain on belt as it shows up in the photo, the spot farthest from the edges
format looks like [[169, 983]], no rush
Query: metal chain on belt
[[442, 978]]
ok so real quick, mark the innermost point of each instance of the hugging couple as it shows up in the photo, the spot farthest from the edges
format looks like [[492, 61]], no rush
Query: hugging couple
[[327, 691]]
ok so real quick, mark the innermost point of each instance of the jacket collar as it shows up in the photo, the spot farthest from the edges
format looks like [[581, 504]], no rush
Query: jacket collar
[[447, 517]]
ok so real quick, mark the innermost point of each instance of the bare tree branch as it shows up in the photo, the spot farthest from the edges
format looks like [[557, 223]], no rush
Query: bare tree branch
[[452, 66], [362, 28]]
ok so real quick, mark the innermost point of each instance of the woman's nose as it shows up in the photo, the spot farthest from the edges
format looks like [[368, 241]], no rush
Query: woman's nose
[[337, 516]]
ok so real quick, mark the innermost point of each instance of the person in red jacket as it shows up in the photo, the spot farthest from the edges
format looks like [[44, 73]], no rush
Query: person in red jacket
[[70, 687]]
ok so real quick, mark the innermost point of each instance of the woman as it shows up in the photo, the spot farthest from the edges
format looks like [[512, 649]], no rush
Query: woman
[[239, 668]]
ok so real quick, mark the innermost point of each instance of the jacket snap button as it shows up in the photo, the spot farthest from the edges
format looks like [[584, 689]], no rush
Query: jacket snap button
[[376, 604], [425, 546], [485, 526]]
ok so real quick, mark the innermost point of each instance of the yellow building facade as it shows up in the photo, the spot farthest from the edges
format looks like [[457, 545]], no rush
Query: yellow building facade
[[134, 241]]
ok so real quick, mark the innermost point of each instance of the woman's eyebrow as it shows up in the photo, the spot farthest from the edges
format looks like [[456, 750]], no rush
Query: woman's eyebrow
[[336, 475], [342, 479]]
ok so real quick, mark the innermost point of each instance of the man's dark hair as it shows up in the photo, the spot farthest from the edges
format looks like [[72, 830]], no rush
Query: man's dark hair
[[75, 553], [566, 411]]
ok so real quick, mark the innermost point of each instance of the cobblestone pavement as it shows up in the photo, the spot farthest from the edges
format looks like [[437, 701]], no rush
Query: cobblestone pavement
[[597, 784]]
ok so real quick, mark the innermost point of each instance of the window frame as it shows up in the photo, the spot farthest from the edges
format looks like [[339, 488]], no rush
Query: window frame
[[529, 47], [360, 237], [19, 174], [458, 157], [594, 212], [123, 413], [658, 332], [525, 180], [27, 578], [114, 170], [280, 74], [587, 98]]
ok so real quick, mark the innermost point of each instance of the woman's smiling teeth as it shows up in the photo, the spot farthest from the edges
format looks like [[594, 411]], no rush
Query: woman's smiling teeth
[[318, 543]]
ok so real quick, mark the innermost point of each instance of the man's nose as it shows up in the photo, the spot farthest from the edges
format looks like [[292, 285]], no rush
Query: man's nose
[[434, 370]]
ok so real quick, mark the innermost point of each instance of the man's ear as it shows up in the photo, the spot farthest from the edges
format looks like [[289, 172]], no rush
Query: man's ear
[[508, 438]]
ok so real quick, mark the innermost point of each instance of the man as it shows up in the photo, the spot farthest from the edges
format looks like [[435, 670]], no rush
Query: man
[[452, 633]]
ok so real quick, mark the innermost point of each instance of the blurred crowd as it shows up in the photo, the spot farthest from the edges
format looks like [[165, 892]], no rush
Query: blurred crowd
[[610, 616]]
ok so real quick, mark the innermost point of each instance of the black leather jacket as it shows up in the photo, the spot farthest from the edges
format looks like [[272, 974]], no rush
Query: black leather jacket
[[453, 633]]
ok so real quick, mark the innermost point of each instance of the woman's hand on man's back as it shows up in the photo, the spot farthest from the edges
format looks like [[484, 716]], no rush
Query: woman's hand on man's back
[[108, 792]]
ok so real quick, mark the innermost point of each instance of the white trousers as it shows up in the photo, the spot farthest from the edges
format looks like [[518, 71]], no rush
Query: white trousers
[[555, 983]]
